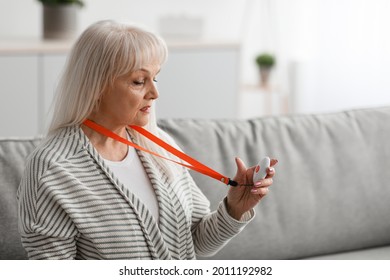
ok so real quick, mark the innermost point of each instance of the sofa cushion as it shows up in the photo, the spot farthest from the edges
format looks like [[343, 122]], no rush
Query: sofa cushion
[[13, 153], [376, 253]]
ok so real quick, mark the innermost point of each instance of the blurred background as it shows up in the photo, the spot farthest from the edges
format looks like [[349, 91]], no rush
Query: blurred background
[[317, 56]]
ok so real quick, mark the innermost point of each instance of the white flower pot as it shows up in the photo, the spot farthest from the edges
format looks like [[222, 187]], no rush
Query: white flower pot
[[265, 76]]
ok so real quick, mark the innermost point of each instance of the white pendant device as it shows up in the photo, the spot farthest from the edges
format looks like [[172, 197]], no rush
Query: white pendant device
[[261, 169]]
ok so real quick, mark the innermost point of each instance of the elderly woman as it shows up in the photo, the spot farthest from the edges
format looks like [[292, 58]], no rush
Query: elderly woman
[[87, 196]]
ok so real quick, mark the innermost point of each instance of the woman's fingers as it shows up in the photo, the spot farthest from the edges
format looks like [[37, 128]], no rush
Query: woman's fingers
[[241, 168], [261, 187], [271, 169], [260, 191], [274, 161]]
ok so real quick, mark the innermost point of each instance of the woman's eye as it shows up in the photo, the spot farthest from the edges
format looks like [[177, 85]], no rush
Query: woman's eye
[[139, 83]]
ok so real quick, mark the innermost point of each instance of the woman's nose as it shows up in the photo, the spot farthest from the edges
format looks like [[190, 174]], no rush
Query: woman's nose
[[153, 91]]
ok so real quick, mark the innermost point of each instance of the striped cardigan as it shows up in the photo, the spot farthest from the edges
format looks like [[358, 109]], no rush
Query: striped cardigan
[[71, 206]]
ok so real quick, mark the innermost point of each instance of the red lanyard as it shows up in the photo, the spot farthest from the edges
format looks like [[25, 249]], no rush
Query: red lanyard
[[192, 163]]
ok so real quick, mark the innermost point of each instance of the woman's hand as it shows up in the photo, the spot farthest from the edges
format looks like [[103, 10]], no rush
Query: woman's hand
[[247, 194]]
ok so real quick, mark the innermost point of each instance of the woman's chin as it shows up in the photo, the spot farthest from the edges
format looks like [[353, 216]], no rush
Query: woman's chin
[[141, 121]]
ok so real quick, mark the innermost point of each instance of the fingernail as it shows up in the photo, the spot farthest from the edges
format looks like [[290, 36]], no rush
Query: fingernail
[[253, 190], [258, 183]]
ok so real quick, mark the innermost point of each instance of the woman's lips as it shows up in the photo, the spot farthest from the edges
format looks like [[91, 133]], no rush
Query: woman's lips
[[146, 109]]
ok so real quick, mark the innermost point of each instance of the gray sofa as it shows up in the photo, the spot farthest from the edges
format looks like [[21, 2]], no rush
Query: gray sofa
[[330, 198]]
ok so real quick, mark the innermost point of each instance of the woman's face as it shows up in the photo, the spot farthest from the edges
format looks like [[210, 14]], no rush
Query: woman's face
[[129, 100]]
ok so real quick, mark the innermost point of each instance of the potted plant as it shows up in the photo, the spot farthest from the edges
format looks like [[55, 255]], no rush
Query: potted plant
[[60, 18], [265, 62]]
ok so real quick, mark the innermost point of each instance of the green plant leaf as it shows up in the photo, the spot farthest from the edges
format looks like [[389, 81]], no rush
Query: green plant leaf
[[265, 60]]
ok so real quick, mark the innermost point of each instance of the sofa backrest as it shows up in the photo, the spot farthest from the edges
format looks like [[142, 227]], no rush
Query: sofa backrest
[[13, 153], [330, 193]]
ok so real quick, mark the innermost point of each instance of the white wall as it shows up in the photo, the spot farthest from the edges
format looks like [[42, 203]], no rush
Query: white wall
[[348, 64], [337, 50]]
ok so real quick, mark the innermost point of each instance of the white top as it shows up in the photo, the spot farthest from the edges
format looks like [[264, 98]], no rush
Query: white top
[[131, 173]]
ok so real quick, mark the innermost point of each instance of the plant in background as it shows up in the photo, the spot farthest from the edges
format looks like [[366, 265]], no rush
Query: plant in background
[[265, 60], [62, 2]]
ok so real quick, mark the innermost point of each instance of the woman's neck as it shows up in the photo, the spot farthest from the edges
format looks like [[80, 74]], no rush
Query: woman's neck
[[108, 148]]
